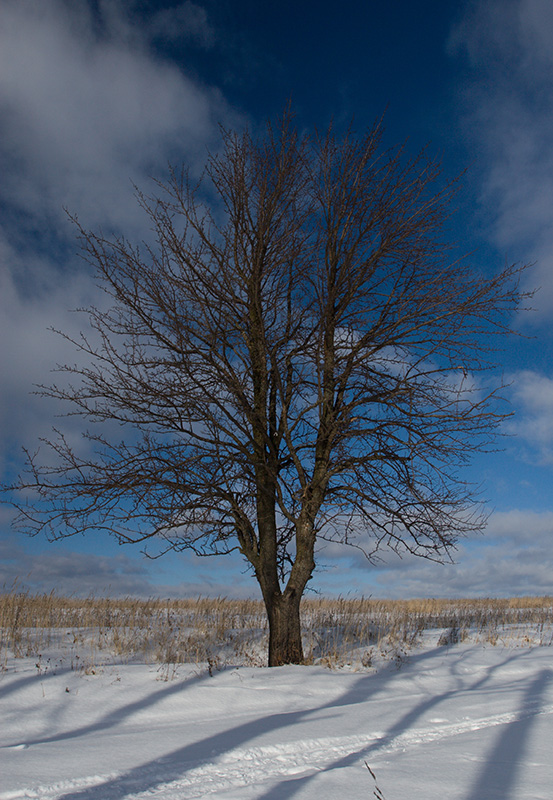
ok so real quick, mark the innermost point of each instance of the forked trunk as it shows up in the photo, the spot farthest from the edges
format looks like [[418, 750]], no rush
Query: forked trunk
[[285, 647]]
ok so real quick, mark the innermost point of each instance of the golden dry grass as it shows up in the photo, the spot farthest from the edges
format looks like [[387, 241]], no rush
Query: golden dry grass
[[219, 631]]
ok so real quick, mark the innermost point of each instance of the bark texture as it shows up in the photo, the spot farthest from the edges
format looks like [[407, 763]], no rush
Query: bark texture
[[285, 640]]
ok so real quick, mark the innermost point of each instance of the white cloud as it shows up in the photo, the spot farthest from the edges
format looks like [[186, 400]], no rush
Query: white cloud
[[532, 394], [509, 119], [513, 557], [72, 573], [68, 570], [85, 112], [30, 351]]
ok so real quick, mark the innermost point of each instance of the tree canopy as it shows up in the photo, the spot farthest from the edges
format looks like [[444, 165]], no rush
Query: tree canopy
[[298, 358]]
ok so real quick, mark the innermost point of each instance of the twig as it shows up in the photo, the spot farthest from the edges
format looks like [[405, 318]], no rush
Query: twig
[[377, 791]]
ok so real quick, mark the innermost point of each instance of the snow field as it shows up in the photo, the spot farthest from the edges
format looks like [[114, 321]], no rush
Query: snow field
[[468, 721]]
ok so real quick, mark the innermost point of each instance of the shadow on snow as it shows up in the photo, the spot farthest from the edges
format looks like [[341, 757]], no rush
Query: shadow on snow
[[508, 749]]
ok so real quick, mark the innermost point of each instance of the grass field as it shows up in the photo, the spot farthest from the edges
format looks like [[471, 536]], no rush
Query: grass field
[[220, 632]]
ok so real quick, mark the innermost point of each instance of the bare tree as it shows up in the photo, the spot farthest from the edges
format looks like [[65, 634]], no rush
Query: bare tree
[[298, 359]]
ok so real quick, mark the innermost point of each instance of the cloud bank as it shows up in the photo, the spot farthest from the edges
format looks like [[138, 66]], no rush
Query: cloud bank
[[514, 558]]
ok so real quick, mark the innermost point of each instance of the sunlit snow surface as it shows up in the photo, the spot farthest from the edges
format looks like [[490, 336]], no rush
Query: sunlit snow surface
[[462, 722]]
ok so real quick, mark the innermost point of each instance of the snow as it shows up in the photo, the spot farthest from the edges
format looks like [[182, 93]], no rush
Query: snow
[[470, 721]]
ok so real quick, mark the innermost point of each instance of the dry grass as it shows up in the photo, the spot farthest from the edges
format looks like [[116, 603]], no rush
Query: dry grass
[[160, 631], [219, 631], [339, 629]]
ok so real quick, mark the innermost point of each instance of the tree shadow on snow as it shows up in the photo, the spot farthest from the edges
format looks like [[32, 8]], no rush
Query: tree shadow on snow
[[28, 680], [174, 766], [114, 717], [291, 786], [499, 776]]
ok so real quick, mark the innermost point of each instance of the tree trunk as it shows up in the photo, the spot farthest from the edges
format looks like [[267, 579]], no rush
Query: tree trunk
[[285, 646]]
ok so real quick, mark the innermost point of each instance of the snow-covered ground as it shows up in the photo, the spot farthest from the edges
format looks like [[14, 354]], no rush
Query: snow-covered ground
[[463, 722]]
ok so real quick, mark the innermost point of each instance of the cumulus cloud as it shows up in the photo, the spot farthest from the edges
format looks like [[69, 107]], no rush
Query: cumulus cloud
[[508, 47], [87, 109], [515, 557], [30, 351]]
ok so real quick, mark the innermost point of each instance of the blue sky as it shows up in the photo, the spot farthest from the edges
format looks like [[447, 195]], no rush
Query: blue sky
[[96, 96]]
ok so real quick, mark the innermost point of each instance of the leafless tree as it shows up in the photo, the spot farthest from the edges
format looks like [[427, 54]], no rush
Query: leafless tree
[[298, 359]]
